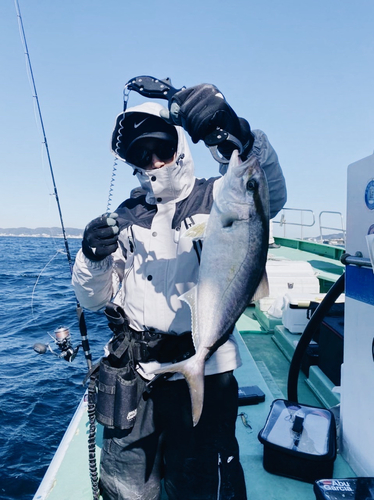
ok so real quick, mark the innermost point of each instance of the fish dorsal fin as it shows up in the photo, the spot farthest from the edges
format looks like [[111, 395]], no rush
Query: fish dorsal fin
[[227, 218], [190, 298], [196, 232], [262, 289]]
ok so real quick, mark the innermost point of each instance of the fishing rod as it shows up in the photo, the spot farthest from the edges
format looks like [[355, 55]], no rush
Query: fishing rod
[[62, 339]]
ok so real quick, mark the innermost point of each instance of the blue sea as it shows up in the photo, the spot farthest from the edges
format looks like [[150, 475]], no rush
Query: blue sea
[[38, 392]]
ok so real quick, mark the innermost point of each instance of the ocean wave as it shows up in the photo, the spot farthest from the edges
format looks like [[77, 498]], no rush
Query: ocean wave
[[39, 393]]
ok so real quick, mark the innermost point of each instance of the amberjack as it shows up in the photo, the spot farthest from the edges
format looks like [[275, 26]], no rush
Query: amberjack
[[232, 267]]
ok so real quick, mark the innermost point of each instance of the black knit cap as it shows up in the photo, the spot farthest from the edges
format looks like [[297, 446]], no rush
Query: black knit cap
[[136, 126]]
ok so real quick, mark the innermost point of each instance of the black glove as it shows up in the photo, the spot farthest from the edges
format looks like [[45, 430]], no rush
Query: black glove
[[100, 237], [201, 109]]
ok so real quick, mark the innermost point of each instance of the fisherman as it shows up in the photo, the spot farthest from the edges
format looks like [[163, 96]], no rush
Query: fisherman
[[138, 258]]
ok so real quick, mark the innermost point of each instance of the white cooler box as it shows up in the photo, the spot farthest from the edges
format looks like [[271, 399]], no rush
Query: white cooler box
[[287, 276], [295, 307]]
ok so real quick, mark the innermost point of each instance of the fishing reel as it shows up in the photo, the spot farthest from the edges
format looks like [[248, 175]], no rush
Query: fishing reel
[[62, 339]]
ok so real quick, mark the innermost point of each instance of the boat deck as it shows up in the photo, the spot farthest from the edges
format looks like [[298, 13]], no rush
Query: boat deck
[[265, 366], [266, 358]]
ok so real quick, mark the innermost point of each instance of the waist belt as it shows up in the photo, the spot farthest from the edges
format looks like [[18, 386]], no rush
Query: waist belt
[[148, 346], [144, 346], [165, 349]]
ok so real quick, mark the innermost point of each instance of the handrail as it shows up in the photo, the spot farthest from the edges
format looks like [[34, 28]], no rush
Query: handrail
[[355, 260], [284, 222], [301, 224], [333, 228]]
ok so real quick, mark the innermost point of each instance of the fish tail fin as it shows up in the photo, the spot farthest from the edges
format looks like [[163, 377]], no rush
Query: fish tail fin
[[193, 372], [196, 386]]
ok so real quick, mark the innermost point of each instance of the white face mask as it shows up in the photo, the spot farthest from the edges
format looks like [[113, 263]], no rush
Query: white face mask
[[173, 182], [169, 183]]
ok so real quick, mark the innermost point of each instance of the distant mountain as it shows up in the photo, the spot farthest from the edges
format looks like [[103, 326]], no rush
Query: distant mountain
[[335, 239], [42, 232], [332, 236]]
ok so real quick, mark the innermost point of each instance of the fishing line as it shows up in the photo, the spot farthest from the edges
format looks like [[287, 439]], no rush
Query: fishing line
[[38, 278], [81, 318], [41, 122]]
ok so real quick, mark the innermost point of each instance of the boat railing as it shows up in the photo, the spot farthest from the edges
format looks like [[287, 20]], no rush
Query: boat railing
[[340, 228], [307, 219]]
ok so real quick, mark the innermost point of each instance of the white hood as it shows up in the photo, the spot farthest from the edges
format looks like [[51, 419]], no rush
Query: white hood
[[172, 183]]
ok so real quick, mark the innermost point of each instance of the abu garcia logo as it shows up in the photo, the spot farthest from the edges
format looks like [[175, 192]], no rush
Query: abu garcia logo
[[337, 485]]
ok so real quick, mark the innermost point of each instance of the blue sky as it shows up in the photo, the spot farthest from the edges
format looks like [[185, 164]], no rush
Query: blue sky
[[301, 71]]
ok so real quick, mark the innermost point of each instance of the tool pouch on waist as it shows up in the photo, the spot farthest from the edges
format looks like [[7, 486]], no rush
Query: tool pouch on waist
[[119, 387], [118, 393]]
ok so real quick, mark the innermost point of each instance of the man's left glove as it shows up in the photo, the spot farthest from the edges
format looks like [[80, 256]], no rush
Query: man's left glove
[[100, 237], [203, 108]]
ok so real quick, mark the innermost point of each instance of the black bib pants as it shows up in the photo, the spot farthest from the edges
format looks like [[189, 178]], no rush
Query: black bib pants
[[196, 463]]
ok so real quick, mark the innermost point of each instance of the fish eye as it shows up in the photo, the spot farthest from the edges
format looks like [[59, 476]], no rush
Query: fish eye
[[251, 185]]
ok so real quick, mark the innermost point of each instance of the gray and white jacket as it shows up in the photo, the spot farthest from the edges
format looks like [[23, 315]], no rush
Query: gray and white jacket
[[154, 264]]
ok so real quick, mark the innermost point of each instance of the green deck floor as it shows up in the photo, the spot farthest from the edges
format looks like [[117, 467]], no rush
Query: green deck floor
[[264, 366]]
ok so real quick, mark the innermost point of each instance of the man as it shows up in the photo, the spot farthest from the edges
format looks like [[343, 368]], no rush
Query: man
[[138, 259]]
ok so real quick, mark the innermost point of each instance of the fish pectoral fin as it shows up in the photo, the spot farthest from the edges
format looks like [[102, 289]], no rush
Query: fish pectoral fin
[[262, 289], [228, 218], [196, 232], [190, 298]]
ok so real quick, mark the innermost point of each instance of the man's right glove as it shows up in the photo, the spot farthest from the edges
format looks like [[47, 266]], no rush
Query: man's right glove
[[203, 108], [100, 237]]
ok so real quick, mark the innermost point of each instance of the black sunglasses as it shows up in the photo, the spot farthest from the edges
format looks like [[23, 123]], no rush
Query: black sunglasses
[[141, 155]]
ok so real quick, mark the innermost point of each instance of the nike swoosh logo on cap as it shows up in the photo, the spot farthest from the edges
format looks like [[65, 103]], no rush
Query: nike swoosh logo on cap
[[136, 125]]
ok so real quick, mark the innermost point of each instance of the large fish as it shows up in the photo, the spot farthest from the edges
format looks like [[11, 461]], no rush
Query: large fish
[[232, 268]]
